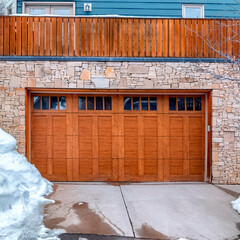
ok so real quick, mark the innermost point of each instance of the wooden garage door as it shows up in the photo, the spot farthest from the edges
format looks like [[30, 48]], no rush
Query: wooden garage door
[[118, 137]]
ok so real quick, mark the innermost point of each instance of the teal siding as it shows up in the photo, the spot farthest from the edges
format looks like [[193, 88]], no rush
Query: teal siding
[[152, 8]]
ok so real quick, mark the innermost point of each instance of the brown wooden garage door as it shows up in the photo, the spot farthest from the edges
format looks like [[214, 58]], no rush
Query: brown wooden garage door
[[84, 137]]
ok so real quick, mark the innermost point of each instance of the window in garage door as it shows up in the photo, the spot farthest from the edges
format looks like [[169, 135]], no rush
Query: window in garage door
[[94, 103], [185, 103], [118, 137], [49, 103], [140, 103]]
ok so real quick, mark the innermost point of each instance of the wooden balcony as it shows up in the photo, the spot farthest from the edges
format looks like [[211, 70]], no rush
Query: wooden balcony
[[119, 37]]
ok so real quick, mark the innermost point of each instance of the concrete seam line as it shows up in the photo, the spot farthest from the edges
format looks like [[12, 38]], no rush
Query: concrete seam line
[[127, 211], [230, 192]]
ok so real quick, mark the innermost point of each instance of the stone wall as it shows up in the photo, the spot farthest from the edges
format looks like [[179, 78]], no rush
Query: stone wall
[[16, 76]]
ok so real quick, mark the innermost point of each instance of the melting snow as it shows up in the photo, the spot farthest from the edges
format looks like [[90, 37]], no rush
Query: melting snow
[[236, 205], [22, 191]]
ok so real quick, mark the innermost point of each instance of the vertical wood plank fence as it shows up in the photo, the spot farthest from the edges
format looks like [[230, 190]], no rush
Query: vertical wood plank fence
[[119, 37]]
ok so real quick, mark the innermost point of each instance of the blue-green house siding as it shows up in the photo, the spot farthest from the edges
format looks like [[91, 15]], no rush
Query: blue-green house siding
[[151, 8]]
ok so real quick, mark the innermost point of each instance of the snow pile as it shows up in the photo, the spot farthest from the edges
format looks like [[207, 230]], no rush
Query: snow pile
[[22, 191], [236, 205]]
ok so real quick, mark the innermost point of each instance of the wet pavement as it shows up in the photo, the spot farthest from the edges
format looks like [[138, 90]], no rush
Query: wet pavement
[[92, 209], [95, 211]]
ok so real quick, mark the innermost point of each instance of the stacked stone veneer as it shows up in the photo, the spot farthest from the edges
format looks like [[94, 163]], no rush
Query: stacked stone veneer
[[16, 76]]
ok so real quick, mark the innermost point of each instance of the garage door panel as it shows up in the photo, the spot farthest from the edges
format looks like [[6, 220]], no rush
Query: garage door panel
[[195, 126], [151, 166], [105, 143], [150, 126], [59, 166], [85, 153], [105, 138], [105, 166], [176, 167], [161, 147], [59, 132], [131, 166], [85, 166], [131, 126], [84, 126], [175, 126], [160, 171], [59, 154], [59, 125], [196, 148], [130, 144], [130, 147], [196, 167], [105, 148], [76, 169], [58, 177], [39, 147], [176, 148], [85, 137], [106, 153], [85, 147], [59, 147], [39, 126], [151, 148], [59, 142], [41, 164], [105, 126]]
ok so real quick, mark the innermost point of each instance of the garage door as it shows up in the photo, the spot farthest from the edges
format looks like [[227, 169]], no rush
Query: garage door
[[85, 137]]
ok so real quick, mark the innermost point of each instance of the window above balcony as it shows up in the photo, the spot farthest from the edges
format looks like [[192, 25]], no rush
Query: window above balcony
[[192, 11], [49, 8]]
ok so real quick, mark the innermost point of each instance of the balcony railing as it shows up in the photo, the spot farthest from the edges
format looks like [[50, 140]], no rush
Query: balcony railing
[[119, 37]]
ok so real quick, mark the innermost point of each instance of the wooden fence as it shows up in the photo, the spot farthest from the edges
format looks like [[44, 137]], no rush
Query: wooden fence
[[119, 37]]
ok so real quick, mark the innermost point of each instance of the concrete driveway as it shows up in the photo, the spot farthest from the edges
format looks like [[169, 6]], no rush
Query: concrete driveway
[[146, 210]]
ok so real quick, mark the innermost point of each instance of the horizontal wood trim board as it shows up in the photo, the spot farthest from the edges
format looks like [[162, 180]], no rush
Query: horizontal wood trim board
[[119, 91], [118, 37], [117, 59]]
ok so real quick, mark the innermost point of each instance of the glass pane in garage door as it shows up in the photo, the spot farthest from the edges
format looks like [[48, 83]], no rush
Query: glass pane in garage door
[[54, 103], [45, 102], [99, 103], [108, 103], [144, 101], [36, 102]]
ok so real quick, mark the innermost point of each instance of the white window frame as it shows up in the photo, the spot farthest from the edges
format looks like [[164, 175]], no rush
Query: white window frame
[[10, 7], [184, 6], [57, 4]]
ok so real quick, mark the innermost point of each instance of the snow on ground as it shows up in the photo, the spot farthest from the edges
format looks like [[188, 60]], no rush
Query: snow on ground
[[22, 191], [236, 205]]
